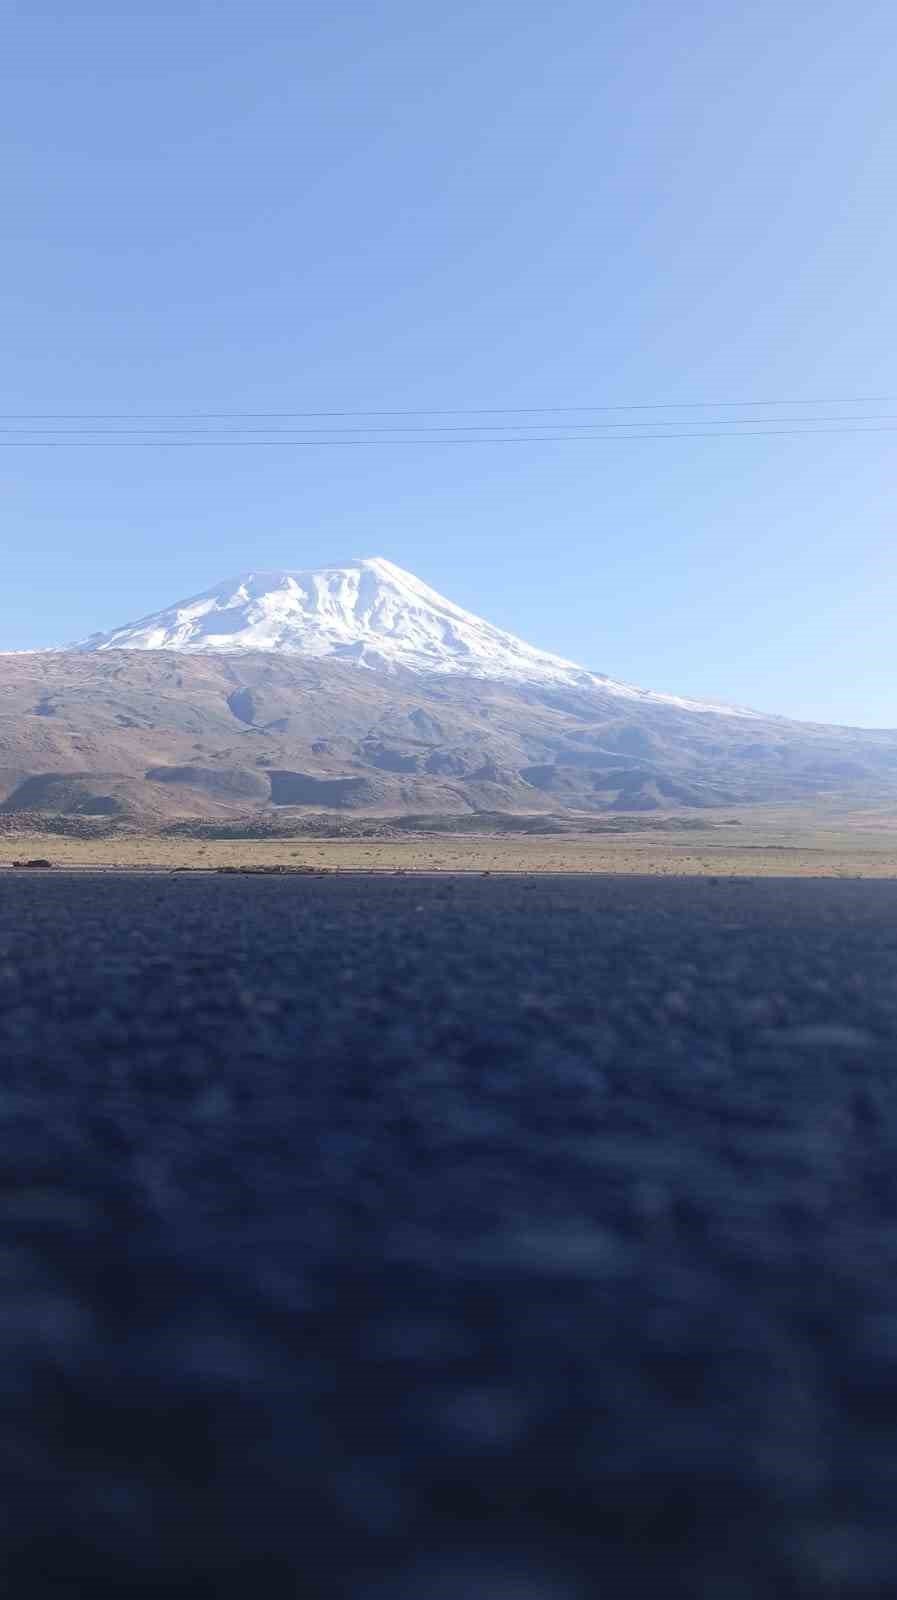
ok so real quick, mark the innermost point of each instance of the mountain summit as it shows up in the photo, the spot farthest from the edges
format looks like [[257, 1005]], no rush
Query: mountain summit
[[369, 613]]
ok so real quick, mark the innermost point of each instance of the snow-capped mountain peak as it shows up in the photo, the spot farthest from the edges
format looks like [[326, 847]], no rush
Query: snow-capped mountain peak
[[369, 612]]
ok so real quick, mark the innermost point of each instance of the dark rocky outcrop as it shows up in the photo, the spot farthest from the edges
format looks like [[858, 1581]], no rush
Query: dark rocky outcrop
[[72, 794], [303, 789], [387, 759], [242, 704], [237, 782]]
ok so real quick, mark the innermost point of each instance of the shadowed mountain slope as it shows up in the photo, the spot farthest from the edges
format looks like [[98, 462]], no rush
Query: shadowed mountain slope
[[159, 734]]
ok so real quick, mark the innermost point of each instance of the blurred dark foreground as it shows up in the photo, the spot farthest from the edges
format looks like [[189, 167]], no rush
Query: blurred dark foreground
[[448, 1239]]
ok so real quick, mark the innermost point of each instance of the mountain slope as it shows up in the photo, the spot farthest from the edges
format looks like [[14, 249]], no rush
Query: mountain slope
[[158, 734], [249, 699], [370, 613]]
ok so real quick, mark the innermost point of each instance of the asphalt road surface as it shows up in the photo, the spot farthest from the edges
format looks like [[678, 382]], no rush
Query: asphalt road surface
[[442, 1239]]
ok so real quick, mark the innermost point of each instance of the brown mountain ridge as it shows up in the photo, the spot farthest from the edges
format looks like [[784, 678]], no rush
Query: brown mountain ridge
[[151, 736]]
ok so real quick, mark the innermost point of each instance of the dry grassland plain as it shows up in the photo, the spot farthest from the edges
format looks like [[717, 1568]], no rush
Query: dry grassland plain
[[783, 841]]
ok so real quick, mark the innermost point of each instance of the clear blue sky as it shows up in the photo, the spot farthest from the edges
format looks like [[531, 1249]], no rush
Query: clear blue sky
[[224, 206]]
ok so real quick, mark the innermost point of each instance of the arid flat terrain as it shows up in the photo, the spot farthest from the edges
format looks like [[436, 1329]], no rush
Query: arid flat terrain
[[754, 842]]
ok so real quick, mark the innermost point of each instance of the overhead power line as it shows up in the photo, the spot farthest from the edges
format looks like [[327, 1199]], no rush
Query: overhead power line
[[497, 427], [287, 441], [442, 411]]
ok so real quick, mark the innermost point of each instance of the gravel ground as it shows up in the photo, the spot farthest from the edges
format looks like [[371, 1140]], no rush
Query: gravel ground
[[448, 1239], [776, 847]]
